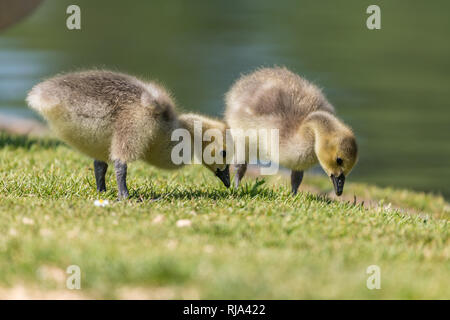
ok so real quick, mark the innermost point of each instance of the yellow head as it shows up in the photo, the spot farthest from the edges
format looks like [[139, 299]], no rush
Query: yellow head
[[336, 149]]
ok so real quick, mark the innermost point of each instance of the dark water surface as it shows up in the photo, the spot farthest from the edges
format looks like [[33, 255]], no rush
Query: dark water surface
[[392, 85]]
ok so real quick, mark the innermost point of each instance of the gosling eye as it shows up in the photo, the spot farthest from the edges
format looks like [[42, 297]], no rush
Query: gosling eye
[[339, 161], [223, 153]]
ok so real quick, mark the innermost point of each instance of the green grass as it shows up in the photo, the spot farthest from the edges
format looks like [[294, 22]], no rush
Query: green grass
[[254, 242]]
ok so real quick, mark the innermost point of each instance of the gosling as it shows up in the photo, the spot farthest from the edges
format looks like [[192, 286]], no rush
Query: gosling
[[117, 118], [309, 131]]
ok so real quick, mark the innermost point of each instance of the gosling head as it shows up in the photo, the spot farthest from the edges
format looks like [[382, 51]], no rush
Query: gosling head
[[337, 154]]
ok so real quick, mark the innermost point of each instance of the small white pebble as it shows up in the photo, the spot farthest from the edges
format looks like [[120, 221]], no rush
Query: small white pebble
[[172, 244], [183, 223], [73, 233], [46, 232], [101, 203], [28, 221], [158, 219], [208, 248]]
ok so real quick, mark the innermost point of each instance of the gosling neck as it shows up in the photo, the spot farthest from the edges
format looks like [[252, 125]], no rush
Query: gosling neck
[[320, 127], [193, 124], [196, 125], [185, 122], [321, 124]]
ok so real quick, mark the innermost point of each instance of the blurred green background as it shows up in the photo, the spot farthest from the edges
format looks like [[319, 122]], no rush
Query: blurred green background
[[391, 85]]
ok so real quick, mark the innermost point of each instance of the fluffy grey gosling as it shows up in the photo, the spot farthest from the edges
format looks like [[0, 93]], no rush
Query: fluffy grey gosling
[[309, 131], [115, 117]]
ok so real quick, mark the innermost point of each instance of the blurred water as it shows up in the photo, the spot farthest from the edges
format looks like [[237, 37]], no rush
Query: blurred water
[[391, 86]]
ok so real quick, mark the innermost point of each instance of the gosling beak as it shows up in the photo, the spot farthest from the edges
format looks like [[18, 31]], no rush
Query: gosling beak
[[338, 183], [224, 175]]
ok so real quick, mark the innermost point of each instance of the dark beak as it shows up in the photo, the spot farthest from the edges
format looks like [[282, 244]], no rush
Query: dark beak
[[338, 183], [224, 175]]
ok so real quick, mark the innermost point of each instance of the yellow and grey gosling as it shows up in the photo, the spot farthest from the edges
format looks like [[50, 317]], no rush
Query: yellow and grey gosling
[[309, 131], [114, 117]]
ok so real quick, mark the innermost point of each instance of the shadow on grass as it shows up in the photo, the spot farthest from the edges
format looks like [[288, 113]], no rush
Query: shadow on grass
[[185, 194], [18, 141], [249, 190], [324, 198]]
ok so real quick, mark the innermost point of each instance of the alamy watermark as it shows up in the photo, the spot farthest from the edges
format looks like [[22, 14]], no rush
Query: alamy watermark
[[374, 280], [73, 22], [74, 280], [373, 22], [251, 146]]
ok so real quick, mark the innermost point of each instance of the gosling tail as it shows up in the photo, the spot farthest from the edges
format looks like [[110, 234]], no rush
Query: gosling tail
[[41, 99]]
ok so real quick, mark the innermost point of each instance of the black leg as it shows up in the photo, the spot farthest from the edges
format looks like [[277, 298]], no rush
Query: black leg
[[240, 171], [100, 168], [296, 180], [121, 176]]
